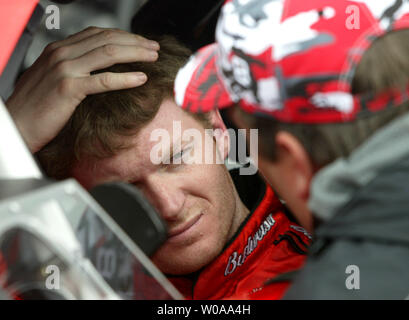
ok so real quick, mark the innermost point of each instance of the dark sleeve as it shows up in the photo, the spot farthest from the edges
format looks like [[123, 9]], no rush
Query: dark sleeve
[[383, 272]]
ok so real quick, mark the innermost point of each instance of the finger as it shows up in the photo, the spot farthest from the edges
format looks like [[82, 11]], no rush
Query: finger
[[114, 36], [109, 55], [51, 53], [86, 33], [106, 37], [110, 36], [109, 81]]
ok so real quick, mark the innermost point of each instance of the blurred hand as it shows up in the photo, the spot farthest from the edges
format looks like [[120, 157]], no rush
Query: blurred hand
[[49, 91]]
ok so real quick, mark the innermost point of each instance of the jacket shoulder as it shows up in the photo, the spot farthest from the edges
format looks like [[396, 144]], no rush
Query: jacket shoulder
[[348, 269]]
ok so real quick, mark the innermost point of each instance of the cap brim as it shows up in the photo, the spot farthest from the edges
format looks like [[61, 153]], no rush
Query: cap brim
[[199, 86]]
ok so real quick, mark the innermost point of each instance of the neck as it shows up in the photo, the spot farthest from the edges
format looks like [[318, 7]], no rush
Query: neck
[[240, 214]]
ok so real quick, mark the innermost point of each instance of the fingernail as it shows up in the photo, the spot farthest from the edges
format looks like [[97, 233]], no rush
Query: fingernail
[[153, 54], [153, 45], [139, 77]]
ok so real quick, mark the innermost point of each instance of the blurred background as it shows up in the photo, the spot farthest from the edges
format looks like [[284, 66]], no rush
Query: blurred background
[[192, 22]]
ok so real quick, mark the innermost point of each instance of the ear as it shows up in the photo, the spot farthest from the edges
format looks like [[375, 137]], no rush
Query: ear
[[221, 134], [293, 158]]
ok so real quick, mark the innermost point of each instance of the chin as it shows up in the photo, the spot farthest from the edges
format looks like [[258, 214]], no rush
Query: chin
[[178, 267], [179, 262]]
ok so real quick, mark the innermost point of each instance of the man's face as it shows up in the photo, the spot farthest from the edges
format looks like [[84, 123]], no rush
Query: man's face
[[198, 201], [291, 185]]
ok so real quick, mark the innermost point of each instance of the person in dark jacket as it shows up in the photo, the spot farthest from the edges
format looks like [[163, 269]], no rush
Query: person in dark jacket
[[327, 85]]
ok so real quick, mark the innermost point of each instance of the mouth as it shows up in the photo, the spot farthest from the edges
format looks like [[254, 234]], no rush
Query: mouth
[[177, 232]]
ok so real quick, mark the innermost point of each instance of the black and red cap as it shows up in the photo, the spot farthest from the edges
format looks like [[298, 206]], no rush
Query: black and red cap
[[293, 60]]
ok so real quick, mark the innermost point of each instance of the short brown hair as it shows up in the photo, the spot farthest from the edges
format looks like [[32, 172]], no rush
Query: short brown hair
[[97, 125], [385, 65]]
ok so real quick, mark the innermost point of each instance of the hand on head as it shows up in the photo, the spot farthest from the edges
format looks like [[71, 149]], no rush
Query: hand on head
[[49, 91]]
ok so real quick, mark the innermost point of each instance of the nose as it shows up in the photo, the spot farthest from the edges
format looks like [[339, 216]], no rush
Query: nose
[[165, 196]]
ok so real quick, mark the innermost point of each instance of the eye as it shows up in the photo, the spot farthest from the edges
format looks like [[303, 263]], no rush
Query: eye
[[178, 156]]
